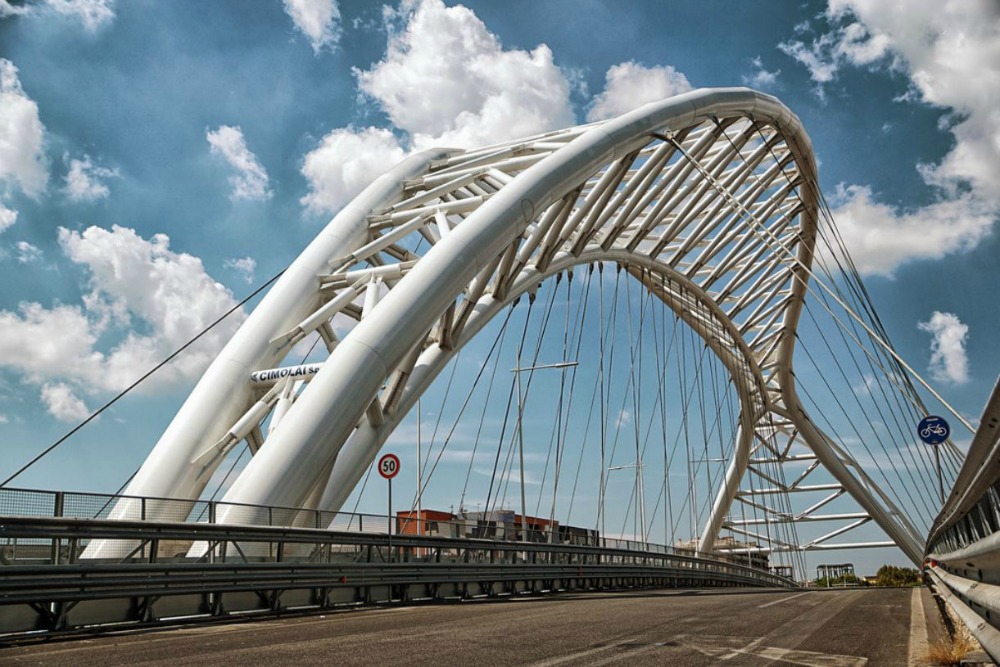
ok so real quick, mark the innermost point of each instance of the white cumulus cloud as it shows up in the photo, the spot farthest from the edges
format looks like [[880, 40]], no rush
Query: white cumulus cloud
[[317, 19], [760, 77], [245, 266], [91, 13], [250, 181], [7, 9], [948, 359], [851, 43], [62, 403], [22, 159], [880, 238], [145, 301], [951, 53], [630, 85], [27, 253], [445, 80], [345, 162], [85, 180], [7, 217]]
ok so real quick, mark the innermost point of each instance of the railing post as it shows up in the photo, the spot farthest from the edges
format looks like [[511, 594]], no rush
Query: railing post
[[57, 511]]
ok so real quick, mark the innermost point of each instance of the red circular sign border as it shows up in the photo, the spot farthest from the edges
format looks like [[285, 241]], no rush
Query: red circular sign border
[[383, 458]]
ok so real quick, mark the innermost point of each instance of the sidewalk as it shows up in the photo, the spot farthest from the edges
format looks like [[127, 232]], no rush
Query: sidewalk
[[931, 629]]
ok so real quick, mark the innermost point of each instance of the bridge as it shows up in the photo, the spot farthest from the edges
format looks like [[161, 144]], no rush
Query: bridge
[[660, 299]]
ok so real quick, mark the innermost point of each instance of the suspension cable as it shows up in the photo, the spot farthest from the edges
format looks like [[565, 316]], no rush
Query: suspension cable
[[146, 375]]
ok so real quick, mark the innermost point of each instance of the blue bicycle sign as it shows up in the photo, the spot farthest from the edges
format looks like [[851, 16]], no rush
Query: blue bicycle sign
[[933, 430]]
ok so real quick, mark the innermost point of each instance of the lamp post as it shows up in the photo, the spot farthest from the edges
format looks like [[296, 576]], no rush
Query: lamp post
[[641, 492], [520, 428], [694, 497]]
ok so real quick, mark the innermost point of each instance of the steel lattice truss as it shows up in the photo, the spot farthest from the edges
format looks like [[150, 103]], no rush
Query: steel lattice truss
[[708, 199]]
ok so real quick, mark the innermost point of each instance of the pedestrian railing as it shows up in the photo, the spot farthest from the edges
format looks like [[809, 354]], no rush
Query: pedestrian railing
[[194, 570], [963, 553]]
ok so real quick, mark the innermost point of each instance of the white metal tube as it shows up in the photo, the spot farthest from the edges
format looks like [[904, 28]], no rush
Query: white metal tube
[[223, 393]]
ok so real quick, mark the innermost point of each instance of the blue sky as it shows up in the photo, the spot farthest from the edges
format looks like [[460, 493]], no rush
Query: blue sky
[[158, 161]]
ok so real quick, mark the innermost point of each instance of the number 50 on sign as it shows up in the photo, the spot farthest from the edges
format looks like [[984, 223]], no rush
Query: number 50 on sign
[[388, 466]]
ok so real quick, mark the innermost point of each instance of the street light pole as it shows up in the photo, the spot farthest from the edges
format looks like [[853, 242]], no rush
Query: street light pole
[[641, 492], [520, 450], [421, 528], [520, 429], [696, 537]]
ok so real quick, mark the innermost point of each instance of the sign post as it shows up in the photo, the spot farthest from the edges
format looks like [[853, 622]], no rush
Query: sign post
[[388, 467], [934, 431]]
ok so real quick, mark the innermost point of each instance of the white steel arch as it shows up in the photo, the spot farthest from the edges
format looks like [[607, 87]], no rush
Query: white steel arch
[[707, 198]]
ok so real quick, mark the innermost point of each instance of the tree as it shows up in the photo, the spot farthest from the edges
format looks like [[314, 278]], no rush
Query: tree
[[846, 579], [892, 575]]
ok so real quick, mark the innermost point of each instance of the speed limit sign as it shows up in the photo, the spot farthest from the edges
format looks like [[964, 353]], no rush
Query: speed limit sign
[[388, 466]]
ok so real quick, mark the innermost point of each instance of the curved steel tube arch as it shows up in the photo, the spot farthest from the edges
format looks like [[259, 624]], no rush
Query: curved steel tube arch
[[708, 191]]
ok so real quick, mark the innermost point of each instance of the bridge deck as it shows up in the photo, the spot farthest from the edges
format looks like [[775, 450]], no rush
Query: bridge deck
[[744, 627]]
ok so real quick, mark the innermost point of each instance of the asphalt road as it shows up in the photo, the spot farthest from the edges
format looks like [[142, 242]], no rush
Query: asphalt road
[[735, 627]]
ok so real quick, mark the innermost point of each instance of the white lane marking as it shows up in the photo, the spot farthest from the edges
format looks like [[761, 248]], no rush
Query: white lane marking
[[746, 650], [581, 654], [792, 597], [810, 658], [801, 627], [720, 650], [918, 630], [624, 657]]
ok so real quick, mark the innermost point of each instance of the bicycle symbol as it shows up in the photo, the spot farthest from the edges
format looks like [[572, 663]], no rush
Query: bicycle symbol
[[933, 429]]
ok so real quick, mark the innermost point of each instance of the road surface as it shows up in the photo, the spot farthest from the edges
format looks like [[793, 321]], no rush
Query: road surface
[[667, 627]]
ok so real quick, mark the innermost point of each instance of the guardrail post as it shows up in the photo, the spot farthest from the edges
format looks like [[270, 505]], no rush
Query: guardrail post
[[518, 567], [57, 511], [142, 517], [73, 544]]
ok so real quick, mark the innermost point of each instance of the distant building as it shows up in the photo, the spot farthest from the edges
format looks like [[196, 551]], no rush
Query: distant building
[[732, 550], [834, 571], [501, 524], [426, 522]]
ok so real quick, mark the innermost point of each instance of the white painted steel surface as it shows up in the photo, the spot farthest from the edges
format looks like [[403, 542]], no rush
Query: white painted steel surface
[[709, 199]]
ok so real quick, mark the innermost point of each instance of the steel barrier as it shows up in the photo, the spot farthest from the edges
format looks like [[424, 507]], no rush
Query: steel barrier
[[78, 505], [963, 553], [46, 588]]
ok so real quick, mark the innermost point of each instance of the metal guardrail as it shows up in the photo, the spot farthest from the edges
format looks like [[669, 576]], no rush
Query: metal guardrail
[[963, 552], [45, 587], [66, 504]]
